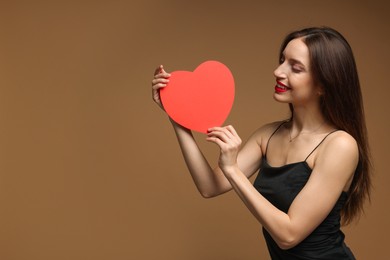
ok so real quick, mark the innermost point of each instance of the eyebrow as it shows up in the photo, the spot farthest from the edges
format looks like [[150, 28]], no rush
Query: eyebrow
[[295, 61], [298, 62]]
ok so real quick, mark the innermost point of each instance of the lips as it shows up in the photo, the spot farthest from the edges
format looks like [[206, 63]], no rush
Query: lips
[[280, 87]]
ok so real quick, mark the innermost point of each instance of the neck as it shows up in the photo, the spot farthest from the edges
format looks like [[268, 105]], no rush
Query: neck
[[305, 122], [305, 119]]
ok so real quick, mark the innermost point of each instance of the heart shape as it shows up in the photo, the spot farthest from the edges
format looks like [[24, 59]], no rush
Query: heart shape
[[200, 99]]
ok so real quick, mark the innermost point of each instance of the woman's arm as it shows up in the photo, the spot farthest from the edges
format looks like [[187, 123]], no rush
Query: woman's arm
[[333, 170], [210, 182]]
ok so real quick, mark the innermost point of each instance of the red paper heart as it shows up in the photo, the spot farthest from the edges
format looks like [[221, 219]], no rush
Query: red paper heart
[[201, 99]]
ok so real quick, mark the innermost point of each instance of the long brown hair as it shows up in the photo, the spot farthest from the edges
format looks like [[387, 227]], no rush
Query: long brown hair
[[334, 68]]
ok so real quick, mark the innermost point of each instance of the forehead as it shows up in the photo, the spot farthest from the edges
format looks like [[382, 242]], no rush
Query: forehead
[[297, 49]]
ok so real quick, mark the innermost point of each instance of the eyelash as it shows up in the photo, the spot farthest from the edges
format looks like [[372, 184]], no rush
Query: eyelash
[[296, 70]]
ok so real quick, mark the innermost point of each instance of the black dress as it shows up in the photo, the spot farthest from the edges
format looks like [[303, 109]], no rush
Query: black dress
[[280, 185]]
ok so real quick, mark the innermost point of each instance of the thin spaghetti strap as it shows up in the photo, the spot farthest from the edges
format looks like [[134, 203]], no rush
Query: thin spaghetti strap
[[266, 147], [321, 143]]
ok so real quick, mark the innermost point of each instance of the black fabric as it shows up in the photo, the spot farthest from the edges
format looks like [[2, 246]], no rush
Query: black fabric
[[280, 186]]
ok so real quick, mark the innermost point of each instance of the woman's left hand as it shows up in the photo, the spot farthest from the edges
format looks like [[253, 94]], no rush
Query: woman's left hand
[[229, 143]]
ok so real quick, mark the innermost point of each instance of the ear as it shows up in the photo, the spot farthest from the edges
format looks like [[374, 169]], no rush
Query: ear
[[320, 91]]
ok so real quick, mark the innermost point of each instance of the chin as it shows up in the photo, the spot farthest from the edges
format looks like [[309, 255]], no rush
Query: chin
[[280, 98]]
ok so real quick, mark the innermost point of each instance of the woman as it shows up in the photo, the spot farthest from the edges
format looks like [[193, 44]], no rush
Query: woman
[[314, 167]]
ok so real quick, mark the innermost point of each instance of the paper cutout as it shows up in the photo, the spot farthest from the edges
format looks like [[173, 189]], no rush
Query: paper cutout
[[201, 99]]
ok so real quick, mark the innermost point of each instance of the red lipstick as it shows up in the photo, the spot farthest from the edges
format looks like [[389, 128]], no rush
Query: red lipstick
[[280, 87]]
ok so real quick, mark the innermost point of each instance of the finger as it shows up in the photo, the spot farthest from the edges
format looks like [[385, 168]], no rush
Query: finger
[[158, 70], [163, 74], [162, 70], [221, 135], [158, 86], [215, 129], [161, 80], [231, 129], [217, 141], [231, 134], [222, 129], [234, 133]]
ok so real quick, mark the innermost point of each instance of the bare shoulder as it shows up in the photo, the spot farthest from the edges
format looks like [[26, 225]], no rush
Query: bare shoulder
[[341, 140], [339, 147], [269, 128], [265, 131], [252, 151]]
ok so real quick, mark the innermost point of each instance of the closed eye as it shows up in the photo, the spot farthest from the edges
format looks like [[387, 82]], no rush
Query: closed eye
[[297, 69], [297, 66]]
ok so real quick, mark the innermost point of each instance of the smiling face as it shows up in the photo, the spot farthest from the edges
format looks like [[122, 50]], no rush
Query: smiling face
[[294, 80]]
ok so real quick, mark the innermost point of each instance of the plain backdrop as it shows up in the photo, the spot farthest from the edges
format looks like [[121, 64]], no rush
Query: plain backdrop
[[89, 165]]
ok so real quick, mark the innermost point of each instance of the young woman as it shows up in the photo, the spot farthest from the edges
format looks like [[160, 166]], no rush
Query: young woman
[[314, 168]]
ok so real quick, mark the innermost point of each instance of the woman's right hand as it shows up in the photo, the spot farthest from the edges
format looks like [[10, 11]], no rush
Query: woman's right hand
[[161, 79]]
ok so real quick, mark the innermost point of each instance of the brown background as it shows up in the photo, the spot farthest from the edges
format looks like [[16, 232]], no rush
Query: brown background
[[89, 165]]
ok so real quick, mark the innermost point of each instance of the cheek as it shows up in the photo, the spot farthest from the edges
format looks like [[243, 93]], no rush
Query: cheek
[[300, 83], [304, 88]]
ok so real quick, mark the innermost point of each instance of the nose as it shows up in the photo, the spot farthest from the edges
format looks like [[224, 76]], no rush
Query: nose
[[278, 72]]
